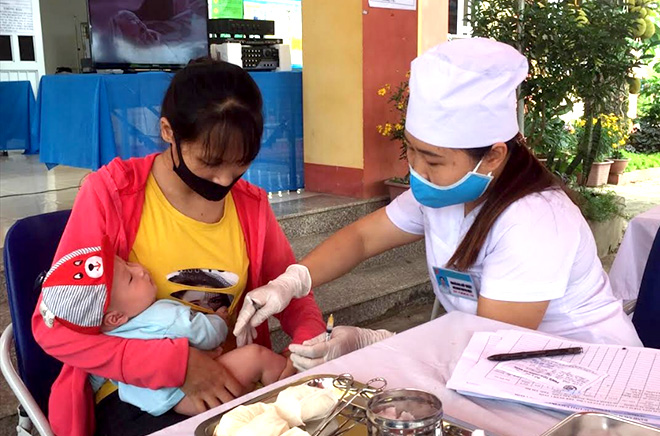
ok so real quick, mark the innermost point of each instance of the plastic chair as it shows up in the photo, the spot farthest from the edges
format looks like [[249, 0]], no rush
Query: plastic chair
[[436, 309], [646, 317], [29, 250]]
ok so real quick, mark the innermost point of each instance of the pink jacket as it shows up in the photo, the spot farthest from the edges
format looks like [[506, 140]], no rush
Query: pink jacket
[[110, 202]]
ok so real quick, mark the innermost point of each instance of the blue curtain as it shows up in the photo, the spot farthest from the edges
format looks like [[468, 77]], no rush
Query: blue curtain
[[87, 120], [17, 111]]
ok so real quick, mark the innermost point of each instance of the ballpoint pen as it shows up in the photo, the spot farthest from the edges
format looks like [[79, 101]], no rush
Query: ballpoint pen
[[537, 353]]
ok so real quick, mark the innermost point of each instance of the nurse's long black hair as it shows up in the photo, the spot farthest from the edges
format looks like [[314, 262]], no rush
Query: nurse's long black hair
[[522, 175]]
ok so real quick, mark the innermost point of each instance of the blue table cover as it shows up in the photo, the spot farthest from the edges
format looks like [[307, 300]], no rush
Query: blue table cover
[[647, 310], [17, 109], [87, 120]]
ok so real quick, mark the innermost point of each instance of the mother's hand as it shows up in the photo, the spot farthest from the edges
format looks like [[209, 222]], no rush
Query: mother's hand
[[208, 383]]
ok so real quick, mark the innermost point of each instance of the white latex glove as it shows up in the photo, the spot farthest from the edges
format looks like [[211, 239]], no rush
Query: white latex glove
[[268, 300], [344, 340]]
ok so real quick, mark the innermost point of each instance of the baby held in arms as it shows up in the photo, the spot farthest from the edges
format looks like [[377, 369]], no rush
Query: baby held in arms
[[133, 313]]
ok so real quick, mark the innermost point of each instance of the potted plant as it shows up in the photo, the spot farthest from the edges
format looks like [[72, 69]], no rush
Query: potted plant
[[597, 150], [614, 137], [619, 161], [398, 99], [604, 212], [599, 174], [397, 186]]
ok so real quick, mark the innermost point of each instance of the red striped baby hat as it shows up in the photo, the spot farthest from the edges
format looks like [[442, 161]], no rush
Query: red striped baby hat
[[76, 289]]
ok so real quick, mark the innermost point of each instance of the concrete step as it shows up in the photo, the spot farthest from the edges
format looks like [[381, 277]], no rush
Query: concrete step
[[317, 214], [303, 245], [401, 319], [366, 295]]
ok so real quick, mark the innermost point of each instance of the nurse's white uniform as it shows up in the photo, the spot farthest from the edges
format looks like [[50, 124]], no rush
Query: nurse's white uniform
[[539, 249]]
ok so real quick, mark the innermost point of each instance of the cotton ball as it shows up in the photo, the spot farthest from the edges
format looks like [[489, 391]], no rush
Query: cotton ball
[[405, 416], [392, 413], [301, 404], [233, 421], [268, 423], [388, 413]]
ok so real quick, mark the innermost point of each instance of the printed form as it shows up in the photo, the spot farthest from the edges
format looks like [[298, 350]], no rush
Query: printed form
[[615, 379]]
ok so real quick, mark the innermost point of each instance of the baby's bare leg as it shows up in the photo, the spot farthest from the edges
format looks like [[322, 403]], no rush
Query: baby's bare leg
[[253, 363], [249, 364], [185, 407]]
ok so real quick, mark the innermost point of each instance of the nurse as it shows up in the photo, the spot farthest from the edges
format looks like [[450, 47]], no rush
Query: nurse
[[503, 238]]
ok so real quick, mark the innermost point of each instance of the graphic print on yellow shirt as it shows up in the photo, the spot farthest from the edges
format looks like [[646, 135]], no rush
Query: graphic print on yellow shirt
[[202, 265]]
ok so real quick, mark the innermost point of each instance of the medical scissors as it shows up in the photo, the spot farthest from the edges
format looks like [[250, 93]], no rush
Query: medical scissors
[[346, 384]]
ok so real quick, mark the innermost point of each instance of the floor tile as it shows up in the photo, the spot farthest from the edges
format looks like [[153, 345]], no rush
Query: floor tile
[[21, 174]]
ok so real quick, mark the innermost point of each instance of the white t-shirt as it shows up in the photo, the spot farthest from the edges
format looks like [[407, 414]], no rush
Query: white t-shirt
[[540, 248]]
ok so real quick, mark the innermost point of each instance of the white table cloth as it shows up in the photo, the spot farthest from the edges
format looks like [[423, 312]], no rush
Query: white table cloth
[[423, 358], [628, 267]]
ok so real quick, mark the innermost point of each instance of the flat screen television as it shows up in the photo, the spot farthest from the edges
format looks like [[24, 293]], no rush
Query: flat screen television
[[153, 34]]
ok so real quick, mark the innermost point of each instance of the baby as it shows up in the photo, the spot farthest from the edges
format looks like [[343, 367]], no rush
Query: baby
[[132, 312]]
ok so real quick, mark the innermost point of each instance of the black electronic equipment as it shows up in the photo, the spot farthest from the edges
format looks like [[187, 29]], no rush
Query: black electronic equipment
[[256, 51]]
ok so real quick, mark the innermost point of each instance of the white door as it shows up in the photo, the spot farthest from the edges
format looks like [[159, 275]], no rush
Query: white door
[[21, 42]]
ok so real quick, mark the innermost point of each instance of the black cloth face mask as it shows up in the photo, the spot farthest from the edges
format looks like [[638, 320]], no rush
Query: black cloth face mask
[[207, 189]]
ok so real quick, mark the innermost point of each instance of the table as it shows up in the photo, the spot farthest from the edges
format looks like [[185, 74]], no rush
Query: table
[[17, 108], [630, 262], [424, 358], [86, 120]]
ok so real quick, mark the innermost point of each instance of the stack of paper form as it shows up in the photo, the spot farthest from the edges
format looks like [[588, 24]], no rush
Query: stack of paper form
[[620, 380]]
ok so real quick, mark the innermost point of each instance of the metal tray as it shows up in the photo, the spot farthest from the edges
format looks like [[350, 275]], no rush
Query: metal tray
[[452, 427], [601, 424]]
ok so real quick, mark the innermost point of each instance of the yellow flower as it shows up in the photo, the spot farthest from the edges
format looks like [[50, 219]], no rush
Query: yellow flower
[[382, 91], [398, 126], [400, 106], [379, 128]]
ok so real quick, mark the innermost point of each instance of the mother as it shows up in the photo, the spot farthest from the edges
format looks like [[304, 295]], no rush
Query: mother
[[206, 237]]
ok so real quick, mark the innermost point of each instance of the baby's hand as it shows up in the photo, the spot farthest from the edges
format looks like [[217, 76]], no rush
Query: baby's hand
[[223, 313]]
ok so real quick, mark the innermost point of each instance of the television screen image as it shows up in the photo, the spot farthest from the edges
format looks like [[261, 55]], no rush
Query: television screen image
[[148, 32]]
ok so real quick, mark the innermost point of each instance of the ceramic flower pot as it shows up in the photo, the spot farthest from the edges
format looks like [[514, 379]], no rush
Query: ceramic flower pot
[[600, 171], [395, 188], [618, 166]]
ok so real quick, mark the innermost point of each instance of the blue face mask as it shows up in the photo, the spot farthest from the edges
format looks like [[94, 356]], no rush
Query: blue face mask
[[469, 188]]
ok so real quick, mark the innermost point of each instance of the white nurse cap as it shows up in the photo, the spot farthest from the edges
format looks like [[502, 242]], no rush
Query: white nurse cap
[[463, 93]]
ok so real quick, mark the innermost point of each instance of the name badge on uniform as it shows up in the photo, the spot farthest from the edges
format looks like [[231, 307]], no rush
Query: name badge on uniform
[[456, 283]]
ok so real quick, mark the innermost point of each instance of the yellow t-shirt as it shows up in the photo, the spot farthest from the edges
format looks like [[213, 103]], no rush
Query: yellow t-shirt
[[201, 265]]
